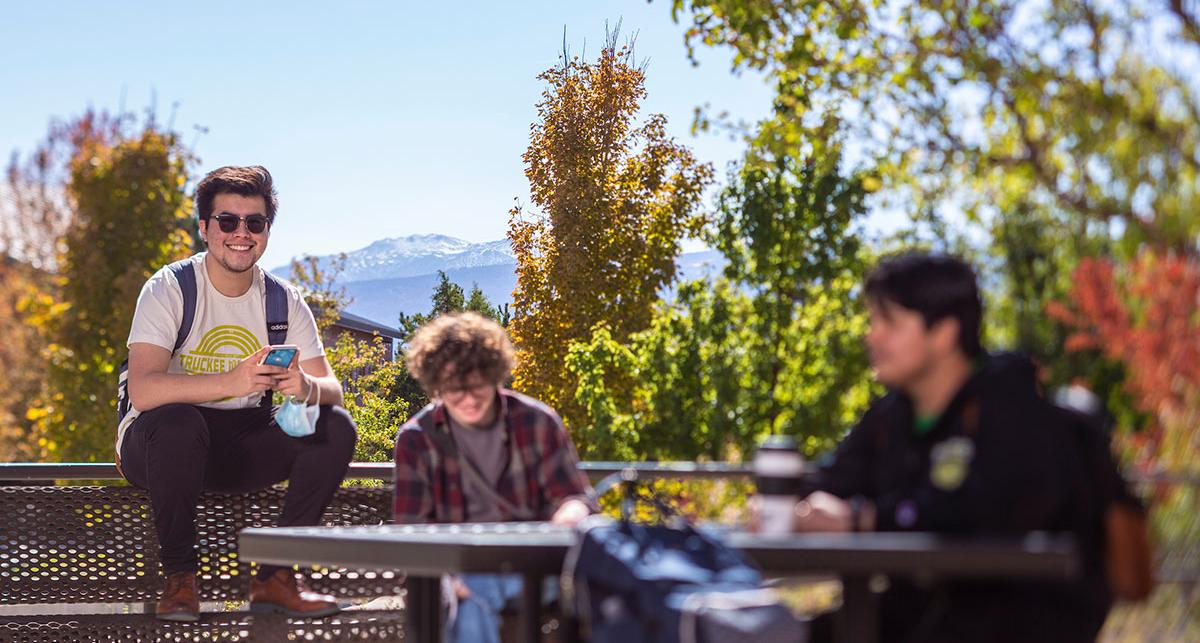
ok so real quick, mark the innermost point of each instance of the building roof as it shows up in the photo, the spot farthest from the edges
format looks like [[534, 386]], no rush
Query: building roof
[[351, 321]]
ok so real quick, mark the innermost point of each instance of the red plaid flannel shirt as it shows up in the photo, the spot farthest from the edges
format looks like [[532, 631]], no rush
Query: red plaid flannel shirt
[[542, 470]]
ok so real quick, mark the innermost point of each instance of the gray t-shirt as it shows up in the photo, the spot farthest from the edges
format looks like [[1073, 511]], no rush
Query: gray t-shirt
[[487, 450]]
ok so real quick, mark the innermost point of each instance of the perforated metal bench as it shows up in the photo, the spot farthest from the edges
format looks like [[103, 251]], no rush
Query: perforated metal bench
[[80, 562]]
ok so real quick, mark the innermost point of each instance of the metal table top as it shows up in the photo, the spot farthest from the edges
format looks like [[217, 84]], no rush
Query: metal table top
[[540, 547]]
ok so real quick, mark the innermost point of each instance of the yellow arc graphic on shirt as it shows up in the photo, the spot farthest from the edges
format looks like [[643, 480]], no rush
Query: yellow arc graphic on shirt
[[220, 350]]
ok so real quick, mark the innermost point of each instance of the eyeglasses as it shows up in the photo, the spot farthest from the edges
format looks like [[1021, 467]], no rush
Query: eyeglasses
[[255, 223], [477, 391]]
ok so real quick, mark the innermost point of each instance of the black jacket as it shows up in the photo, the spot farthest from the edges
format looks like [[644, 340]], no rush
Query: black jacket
[[1000, 460]]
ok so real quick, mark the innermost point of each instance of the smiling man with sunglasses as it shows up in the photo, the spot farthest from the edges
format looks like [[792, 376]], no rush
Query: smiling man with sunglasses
[[198, 416]]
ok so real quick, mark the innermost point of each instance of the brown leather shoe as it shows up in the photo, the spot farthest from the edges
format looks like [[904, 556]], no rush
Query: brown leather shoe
[[179, 602], [283, 593]]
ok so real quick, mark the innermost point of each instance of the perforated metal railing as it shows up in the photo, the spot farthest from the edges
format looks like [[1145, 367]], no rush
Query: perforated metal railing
[[67, 549], [85, 544], [89, 544], [230, 626], [96, 544], [67, 552]]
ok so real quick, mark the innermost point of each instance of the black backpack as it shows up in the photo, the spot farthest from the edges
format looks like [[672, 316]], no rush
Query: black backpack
[[185, 274], [634, 583]]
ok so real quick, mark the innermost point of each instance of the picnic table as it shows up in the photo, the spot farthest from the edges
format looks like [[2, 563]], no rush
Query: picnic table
[[536, 550]]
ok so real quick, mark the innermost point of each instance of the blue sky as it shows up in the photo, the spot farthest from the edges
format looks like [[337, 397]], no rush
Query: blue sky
[[377, 119]]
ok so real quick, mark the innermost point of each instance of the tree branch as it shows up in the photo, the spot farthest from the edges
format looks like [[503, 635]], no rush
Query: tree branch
[[1188, 21]]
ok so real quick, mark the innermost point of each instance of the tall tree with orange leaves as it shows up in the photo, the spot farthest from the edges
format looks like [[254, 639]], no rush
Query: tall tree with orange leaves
[[613, 199]]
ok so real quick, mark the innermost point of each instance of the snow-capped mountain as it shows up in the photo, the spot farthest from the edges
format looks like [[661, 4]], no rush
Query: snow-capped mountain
[[397, 275], [416, 255]]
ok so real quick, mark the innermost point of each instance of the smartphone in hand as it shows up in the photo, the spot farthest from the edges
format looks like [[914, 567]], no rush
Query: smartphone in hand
[[281, 355]]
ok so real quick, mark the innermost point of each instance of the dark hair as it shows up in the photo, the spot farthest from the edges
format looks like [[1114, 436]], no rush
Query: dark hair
[[467, 342], [935, 285], [252, 180]]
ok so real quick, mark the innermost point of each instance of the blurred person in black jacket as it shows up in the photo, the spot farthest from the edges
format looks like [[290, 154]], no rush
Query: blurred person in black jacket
[[963, 443]]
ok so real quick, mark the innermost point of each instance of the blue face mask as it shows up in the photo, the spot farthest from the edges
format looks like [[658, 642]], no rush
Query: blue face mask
[[299, 419]]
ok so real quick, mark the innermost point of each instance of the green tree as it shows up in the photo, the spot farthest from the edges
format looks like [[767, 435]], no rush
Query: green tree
[[1057, 129], [130, 215], [787, 227], [370, 381], [772, 346], [614, 200], [1057, 104], [368, 378], [447, 298], [478, 302]]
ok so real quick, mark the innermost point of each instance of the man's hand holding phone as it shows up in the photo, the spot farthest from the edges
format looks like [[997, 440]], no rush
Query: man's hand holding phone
[[251, 375], [290, 379]]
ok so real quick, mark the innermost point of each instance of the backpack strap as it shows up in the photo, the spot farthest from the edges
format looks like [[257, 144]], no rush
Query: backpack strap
[[185, 274], [277, 318], [277, 310]]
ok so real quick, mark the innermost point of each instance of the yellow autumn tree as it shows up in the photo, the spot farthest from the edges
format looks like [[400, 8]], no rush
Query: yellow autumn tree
[[33, 217], [124, 185], [19, 352], [612, 200]]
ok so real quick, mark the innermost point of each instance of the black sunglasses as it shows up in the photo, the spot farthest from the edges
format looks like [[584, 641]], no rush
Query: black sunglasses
[[255, 223]]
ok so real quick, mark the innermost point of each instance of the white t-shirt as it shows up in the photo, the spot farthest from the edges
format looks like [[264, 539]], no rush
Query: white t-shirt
[[224, 331]]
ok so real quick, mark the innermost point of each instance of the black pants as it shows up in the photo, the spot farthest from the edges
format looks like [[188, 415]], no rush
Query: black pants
[[178, 450]]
